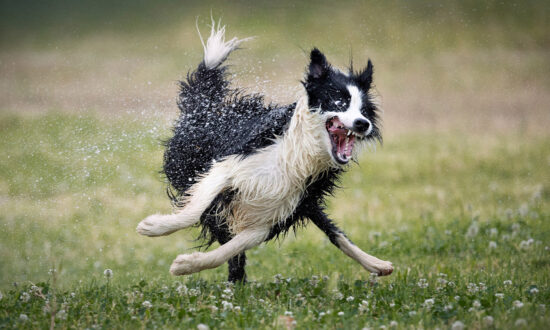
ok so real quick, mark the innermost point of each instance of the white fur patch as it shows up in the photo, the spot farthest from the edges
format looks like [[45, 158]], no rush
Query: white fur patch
[[216, 48], [271, 182], [354, 110], [195, 262], [200, 196], [370, 263]]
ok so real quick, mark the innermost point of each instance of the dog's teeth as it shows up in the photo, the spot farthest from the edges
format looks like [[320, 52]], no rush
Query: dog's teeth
[[349, 132]]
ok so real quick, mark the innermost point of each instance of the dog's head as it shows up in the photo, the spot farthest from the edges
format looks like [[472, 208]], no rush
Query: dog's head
[[344, 102]]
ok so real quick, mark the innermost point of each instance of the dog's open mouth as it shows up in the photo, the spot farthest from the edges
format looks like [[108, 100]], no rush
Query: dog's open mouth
[[342, 140]]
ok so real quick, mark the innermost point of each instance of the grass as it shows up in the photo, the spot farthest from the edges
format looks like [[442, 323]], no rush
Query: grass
[[74, 187], [457, 198]]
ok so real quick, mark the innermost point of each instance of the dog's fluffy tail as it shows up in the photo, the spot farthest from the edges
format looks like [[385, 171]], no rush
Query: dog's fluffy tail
[[216, 49], [207, 84]]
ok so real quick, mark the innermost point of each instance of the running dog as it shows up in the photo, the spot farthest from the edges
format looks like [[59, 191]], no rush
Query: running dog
[[246, 172]]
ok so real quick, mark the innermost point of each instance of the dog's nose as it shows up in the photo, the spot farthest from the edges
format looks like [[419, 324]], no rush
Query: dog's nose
[[361, 125]]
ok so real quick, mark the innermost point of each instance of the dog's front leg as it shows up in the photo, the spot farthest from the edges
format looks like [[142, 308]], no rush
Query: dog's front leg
[[195, 262], [200, 197], [338, 238]]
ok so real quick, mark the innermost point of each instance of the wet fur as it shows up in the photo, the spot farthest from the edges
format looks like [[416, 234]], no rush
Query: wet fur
[[246, 172]]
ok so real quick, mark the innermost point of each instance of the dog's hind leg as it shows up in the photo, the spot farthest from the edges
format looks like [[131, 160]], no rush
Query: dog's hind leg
[[237, 263], [195, 262], [236, 268], [338, 238], [200, 197]]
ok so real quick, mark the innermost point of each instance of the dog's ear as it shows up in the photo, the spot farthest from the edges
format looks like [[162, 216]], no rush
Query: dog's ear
[[318, 67], [365, 77]]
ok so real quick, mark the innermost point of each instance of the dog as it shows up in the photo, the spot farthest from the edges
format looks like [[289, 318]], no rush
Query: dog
[[247, 172]]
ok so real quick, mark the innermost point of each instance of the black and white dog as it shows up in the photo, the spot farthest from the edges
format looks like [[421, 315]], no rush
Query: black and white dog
[[247, 172]]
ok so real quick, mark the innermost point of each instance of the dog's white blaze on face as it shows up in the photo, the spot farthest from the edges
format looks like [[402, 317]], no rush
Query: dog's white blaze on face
[[353, 112]]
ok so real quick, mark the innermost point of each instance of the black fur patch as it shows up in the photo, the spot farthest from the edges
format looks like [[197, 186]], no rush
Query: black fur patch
[[216, 122]]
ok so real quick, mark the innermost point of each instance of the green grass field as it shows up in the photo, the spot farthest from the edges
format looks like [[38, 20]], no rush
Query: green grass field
[[458, 197], [462, 214]]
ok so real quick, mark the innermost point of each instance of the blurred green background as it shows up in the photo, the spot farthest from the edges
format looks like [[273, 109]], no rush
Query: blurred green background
[[87, 92]]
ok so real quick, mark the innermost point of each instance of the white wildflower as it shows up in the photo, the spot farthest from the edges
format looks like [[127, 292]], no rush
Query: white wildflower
[[488, 320], [515, 227], [364, 306], [448, 307], [23, 317], [517, 304], [472, 288], [202, 326], [442, 281], [476, 304], [288, 313], [482, 286], [350, 298], [534, 291], [525, 245], [227, 294], [457, 325], [392, 304], [181, 289], [194, 292], [322, 314], [428, 303], [25, 297], [108, 273], [507, 282], [213, 308], [393, 324], [227, 305], [492, 245], [499, 295], [457, 298], [412, 313], [493, 232], [147, 304], [237, 308], [422, 283], [278, 278], [337, 295], [451, 284], [340, 313], [520, 323]]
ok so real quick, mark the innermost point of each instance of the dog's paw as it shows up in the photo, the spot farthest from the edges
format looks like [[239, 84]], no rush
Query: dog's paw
[[185, 264], [383, 268], [153, 226]]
